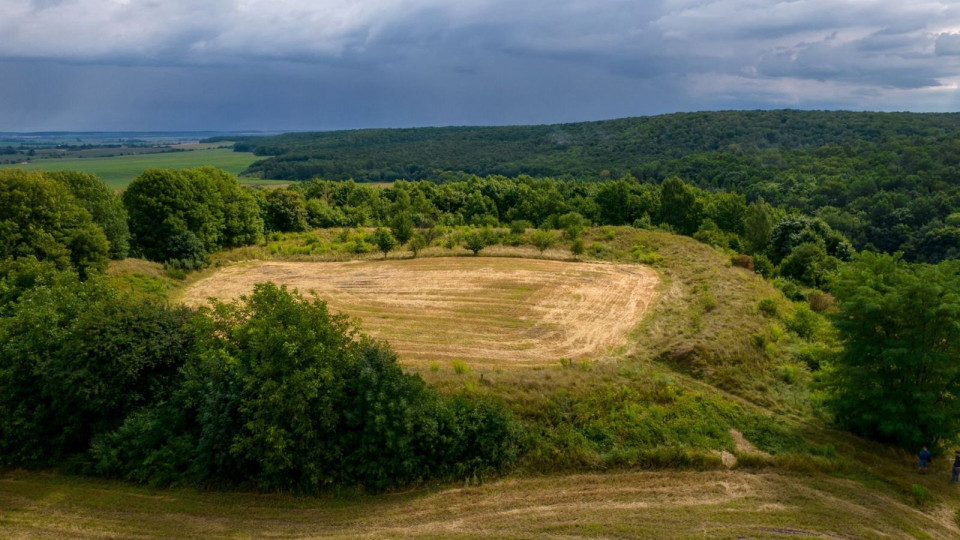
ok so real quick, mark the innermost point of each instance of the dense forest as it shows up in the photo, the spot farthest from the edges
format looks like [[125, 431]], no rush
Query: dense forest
[[888, 181], [586, 150]]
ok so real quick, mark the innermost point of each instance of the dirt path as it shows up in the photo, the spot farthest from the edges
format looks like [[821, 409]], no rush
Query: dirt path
[[485, 311]]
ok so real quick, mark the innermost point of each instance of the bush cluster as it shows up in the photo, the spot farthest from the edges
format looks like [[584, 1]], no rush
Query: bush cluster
[[269, 392]]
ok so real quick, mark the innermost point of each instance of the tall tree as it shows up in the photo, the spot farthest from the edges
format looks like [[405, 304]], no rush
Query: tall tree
[[40, 218], [104, 205], [898, 378], [679, 206], [758, 225]]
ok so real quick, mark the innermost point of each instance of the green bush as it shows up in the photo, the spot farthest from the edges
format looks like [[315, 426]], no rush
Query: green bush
[[75, 359], [285, 395], [920, 495], [804, 322], [769, 307]]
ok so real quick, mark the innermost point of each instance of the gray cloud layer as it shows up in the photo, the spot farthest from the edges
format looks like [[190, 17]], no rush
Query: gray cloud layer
[[300, 64]]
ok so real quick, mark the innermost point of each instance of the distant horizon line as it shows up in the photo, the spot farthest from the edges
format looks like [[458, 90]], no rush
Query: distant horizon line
[[427, 126]]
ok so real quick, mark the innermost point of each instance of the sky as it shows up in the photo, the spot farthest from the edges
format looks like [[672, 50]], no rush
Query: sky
[[339, 64]]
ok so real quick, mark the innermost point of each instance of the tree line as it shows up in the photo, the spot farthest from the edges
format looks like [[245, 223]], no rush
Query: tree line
[[584, 150]]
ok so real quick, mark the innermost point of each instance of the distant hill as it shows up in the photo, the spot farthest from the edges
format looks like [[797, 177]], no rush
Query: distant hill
[[577, 150]]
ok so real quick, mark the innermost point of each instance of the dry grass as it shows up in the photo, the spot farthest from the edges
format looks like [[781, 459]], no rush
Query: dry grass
[[716, 504], [502, 312], [135, 266]]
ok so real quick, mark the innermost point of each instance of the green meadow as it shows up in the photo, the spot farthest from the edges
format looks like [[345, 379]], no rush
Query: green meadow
[[119, 171]]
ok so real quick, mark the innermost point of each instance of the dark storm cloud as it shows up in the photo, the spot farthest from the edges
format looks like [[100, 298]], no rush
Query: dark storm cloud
[[322, 64]]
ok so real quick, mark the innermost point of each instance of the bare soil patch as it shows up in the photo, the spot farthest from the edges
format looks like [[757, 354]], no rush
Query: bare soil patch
[[486, 311]]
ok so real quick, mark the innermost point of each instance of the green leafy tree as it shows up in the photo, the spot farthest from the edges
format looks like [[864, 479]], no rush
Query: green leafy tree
[[417, 243], [240, 211], [728, 211], [402, 227], [758, 225], [809, 264], [40, 218], [543, 240], [679, 206], [898, 378], [794, 230], [285, 211], [475, 241], [165, 208], [572, 224], [384, 240], [322, 215], [577, 247], [306, 402], [520, 226], [104, 205]]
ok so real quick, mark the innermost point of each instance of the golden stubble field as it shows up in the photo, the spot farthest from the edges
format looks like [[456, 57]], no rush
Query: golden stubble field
[[487, 312]]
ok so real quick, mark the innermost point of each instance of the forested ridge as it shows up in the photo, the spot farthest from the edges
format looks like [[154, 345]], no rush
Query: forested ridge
[[578, 150], [888, 181]]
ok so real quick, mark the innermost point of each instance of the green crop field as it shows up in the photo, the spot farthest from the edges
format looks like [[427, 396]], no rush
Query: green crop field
[[119, 171]]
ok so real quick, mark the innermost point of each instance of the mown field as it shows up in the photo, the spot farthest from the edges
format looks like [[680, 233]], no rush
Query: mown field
[[492, 312], [119, 171], [666, 504]]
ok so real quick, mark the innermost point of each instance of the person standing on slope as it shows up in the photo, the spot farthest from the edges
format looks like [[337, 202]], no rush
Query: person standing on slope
[[955, 475], [924, 461]]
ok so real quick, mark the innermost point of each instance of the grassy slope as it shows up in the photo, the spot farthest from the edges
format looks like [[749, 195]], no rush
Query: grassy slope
[[119, 171], [618, 505], [696, 377]]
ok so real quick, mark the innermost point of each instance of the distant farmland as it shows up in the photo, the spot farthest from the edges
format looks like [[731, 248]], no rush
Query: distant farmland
[[119, 171]]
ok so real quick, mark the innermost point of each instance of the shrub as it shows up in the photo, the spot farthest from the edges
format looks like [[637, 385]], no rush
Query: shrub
[[769, 307], [520, 226], [474, 241], [804, 322], [790, 289], [920, 495], [742, 261], [820, 301], [286, 395], [543, 240], [76, 359], [460, 367], [762, 265]]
